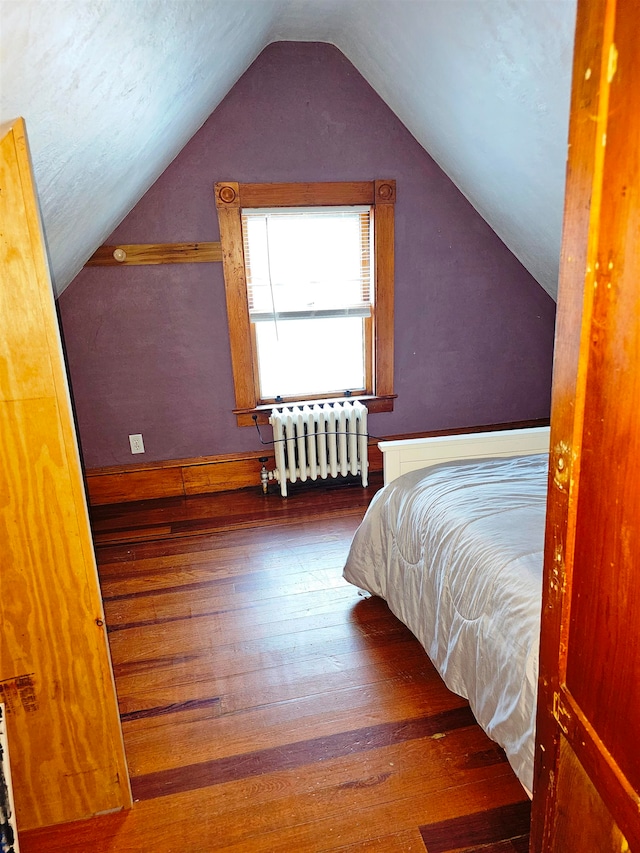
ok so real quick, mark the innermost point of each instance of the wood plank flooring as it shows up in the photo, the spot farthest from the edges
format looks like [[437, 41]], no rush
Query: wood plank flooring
[[266, 706]]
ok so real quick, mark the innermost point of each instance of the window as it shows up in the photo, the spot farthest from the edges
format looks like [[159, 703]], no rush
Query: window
[[309, 285], [303, 298]]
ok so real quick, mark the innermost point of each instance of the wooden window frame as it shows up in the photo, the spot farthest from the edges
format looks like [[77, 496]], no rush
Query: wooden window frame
[[231, 197]]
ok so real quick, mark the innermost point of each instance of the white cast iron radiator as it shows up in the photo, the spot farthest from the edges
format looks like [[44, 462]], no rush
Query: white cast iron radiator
[[329, 440]]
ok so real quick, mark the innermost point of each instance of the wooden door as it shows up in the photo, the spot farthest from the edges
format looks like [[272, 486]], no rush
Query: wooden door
[[587, 781], [65, 741]]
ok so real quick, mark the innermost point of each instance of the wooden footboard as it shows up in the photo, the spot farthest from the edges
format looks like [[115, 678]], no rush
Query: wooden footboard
[[400, 457]]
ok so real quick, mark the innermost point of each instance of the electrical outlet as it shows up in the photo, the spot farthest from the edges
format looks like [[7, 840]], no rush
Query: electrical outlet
[[137, 444]]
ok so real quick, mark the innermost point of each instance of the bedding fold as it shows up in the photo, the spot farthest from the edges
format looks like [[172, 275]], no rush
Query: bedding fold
[[456, 550]]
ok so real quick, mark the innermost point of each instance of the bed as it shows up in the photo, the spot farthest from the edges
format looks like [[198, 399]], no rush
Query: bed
[[454, 544]]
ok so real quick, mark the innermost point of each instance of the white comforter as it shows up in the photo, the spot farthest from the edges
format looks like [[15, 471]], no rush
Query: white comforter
[[456, 551]]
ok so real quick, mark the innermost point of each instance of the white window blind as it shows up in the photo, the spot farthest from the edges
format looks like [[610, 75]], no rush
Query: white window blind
[[306, 263]]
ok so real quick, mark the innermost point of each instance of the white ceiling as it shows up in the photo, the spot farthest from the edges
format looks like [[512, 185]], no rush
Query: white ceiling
[[113, 89]]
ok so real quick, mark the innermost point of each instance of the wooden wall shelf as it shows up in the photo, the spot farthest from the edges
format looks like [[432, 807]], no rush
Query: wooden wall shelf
[[137, 254]]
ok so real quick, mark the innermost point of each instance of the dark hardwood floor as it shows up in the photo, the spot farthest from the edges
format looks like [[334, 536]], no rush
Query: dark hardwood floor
[[266, 706]]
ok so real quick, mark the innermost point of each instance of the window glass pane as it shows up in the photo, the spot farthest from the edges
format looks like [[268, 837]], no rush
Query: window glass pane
[[307, 261], [308, 357]]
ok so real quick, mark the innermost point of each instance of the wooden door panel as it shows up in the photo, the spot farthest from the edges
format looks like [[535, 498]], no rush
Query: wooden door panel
[[583, 822], [604, 638], [63, 725], [587, 779]]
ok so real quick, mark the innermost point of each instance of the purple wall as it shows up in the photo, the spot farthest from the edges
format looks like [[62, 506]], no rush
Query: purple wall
[[148, 347]]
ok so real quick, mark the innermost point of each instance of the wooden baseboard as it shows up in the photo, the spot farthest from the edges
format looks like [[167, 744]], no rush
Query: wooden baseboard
[[208, 474], [175, 478]]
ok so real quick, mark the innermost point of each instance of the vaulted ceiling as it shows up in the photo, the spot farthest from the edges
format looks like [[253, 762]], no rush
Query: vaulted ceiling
[[111, 91]]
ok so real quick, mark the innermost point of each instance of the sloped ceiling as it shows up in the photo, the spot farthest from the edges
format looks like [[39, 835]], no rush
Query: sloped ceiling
[[113, 89]]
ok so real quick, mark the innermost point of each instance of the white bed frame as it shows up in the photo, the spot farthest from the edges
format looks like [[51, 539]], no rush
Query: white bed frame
[[400, 457]]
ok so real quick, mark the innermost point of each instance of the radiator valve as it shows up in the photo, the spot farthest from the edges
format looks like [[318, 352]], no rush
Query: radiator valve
[[264, 474]]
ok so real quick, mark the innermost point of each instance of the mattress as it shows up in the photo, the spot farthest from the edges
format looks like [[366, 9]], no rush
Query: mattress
[[456, 550]]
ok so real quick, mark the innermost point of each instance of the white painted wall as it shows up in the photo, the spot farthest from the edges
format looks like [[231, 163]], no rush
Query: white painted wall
[[113, 89], [484, 86]]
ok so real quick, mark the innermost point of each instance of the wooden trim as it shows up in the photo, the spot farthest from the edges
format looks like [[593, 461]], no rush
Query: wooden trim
[[155, 253], [242, 363], [176, 477], [253, 333], [384, 299], [384, 192], [230, 198], [260, 414], [303, 194], [209, 474], [369, 343], [227, 194]]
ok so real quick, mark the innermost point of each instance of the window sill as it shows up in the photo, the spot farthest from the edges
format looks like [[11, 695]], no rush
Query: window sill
[[260, 414]]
